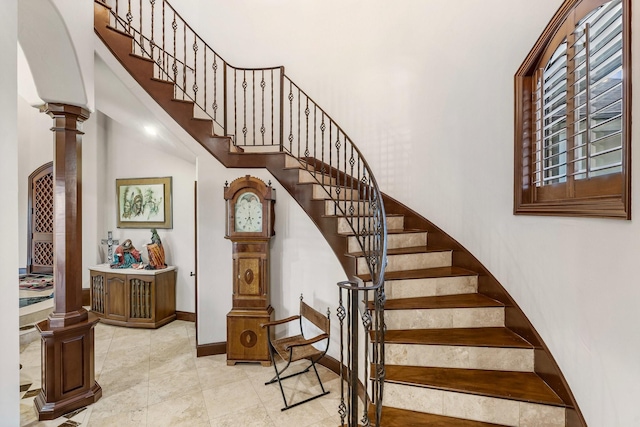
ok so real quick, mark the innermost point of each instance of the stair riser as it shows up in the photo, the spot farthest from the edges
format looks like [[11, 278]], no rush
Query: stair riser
[[466, 357], [394, 241], [317, 177], [258, 148], [182, 110], [346, 208], [415, 288], [411, 261], [161, 89], [322, 193], [291, 162], [393, 222], [445, 318], [468, 406], [120, 44]]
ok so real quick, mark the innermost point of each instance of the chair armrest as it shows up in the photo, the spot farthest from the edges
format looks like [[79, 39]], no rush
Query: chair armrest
[[307, 342], [279, 322]]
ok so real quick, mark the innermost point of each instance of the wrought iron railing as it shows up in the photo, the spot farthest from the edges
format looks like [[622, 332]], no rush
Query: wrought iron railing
[[263, 107]]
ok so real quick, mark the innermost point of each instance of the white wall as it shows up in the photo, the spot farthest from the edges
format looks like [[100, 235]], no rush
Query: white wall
[[9, 356], [426, 91], [128, 155], [35, 148]]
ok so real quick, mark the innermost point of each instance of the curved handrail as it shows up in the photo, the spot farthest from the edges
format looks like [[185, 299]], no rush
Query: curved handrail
[[264, 107]]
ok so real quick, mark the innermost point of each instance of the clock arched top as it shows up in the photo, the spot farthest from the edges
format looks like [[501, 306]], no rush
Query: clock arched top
[[239, 185], [248, 218]]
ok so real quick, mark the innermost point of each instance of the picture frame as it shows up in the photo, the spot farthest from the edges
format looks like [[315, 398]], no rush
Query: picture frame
[[144, 202]]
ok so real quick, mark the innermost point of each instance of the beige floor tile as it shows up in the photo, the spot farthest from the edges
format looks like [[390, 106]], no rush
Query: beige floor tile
[[167, 350], [136, 418], [101, 346], [177, 363], [213, 375], [211, 361], [172, 386], [187, 410], [229, 398], [31, 375], [124, 357], [30, 356], [28, 414], [251, 417], [127, 400], [117, 380], [298, 416], [327, 422]]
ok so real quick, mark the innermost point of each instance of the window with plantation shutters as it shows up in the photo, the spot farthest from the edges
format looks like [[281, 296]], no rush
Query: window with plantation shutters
[[572, 139]]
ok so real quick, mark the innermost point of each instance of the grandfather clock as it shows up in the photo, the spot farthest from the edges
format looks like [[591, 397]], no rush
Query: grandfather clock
[[250, 218]]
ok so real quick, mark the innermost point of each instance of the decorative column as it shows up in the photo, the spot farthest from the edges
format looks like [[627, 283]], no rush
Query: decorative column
[[68, 374]]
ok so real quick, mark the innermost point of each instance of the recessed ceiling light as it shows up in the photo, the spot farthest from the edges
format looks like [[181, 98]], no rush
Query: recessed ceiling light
[[150, 130]]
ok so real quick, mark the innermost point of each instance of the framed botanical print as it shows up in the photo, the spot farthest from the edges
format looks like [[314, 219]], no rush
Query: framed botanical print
[[144, 202]]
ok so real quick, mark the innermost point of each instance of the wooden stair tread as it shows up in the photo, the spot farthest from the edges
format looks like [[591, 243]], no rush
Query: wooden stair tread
[[521, 386], [356, 216], [119, 31], [405, 230], [395, 417], [442, 301], [406, 251], [142, 58], [424, 273], [477, 337], [167, 82], [186, 101]]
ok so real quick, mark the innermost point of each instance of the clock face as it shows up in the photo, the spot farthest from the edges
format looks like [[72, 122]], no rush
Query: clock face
[[248, 214]]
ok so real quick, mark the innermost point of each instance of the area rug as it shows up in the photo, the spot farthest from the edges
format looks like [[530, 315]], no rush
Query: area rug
[[33, 300], [36, 282]]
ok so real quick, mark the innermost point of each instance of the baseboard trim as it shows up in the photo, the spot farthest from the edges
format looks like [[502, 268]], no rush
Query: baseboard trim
[[211, 349], [186, 316], [86, 296]]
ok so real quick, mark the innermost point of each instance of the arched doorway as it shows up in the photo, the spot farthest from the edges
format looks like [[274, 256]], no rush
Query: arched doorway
[[40, 220]]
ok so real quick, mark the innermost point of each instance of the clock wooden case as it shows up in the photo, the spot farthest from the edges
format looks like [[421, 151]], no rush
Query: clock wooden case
[[250, 220]]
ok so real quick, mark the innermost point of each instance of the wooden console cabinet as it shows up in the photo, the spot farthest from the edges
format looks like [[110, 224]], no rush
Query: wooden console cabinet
[[133, 298]]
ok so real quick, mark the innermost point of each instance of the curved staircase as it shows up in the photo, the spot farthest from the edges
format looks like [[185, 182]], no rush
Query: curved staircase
[[459, 352]]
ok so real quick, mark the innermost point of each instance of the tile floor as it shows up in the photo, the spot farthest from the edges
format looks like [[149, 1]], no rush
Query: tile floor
[[153, 378]]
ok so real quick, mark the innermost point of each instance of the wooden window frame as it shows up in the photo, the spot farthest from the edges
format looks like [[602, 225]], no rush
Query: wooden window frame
[[606, 196]]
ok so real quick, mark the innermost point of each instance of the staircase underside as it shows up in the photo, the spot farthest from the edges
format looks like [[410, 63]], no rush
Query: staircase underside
[[459, 350]]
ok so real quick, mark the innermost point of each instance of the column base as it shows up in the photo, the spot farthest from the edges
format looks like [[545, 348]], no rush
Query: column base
[[68, 371], [53, 410]]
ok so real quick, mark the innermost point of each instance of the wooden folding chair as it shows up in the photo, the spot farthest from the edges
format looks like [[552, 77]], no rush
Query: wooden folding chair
[[297, 347]]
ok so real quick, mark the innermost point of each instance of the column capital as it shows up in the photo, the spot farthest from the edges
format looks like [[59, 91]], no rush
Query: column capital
[[63, 110]]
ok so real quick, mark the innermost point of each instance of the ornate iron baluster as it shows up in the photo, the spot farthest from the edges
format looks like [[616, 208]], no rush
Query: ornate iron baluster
[[290, 116], [129, 17], [195, 69], [262, 86], [140, 29], [244, 105], [174, 68]]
